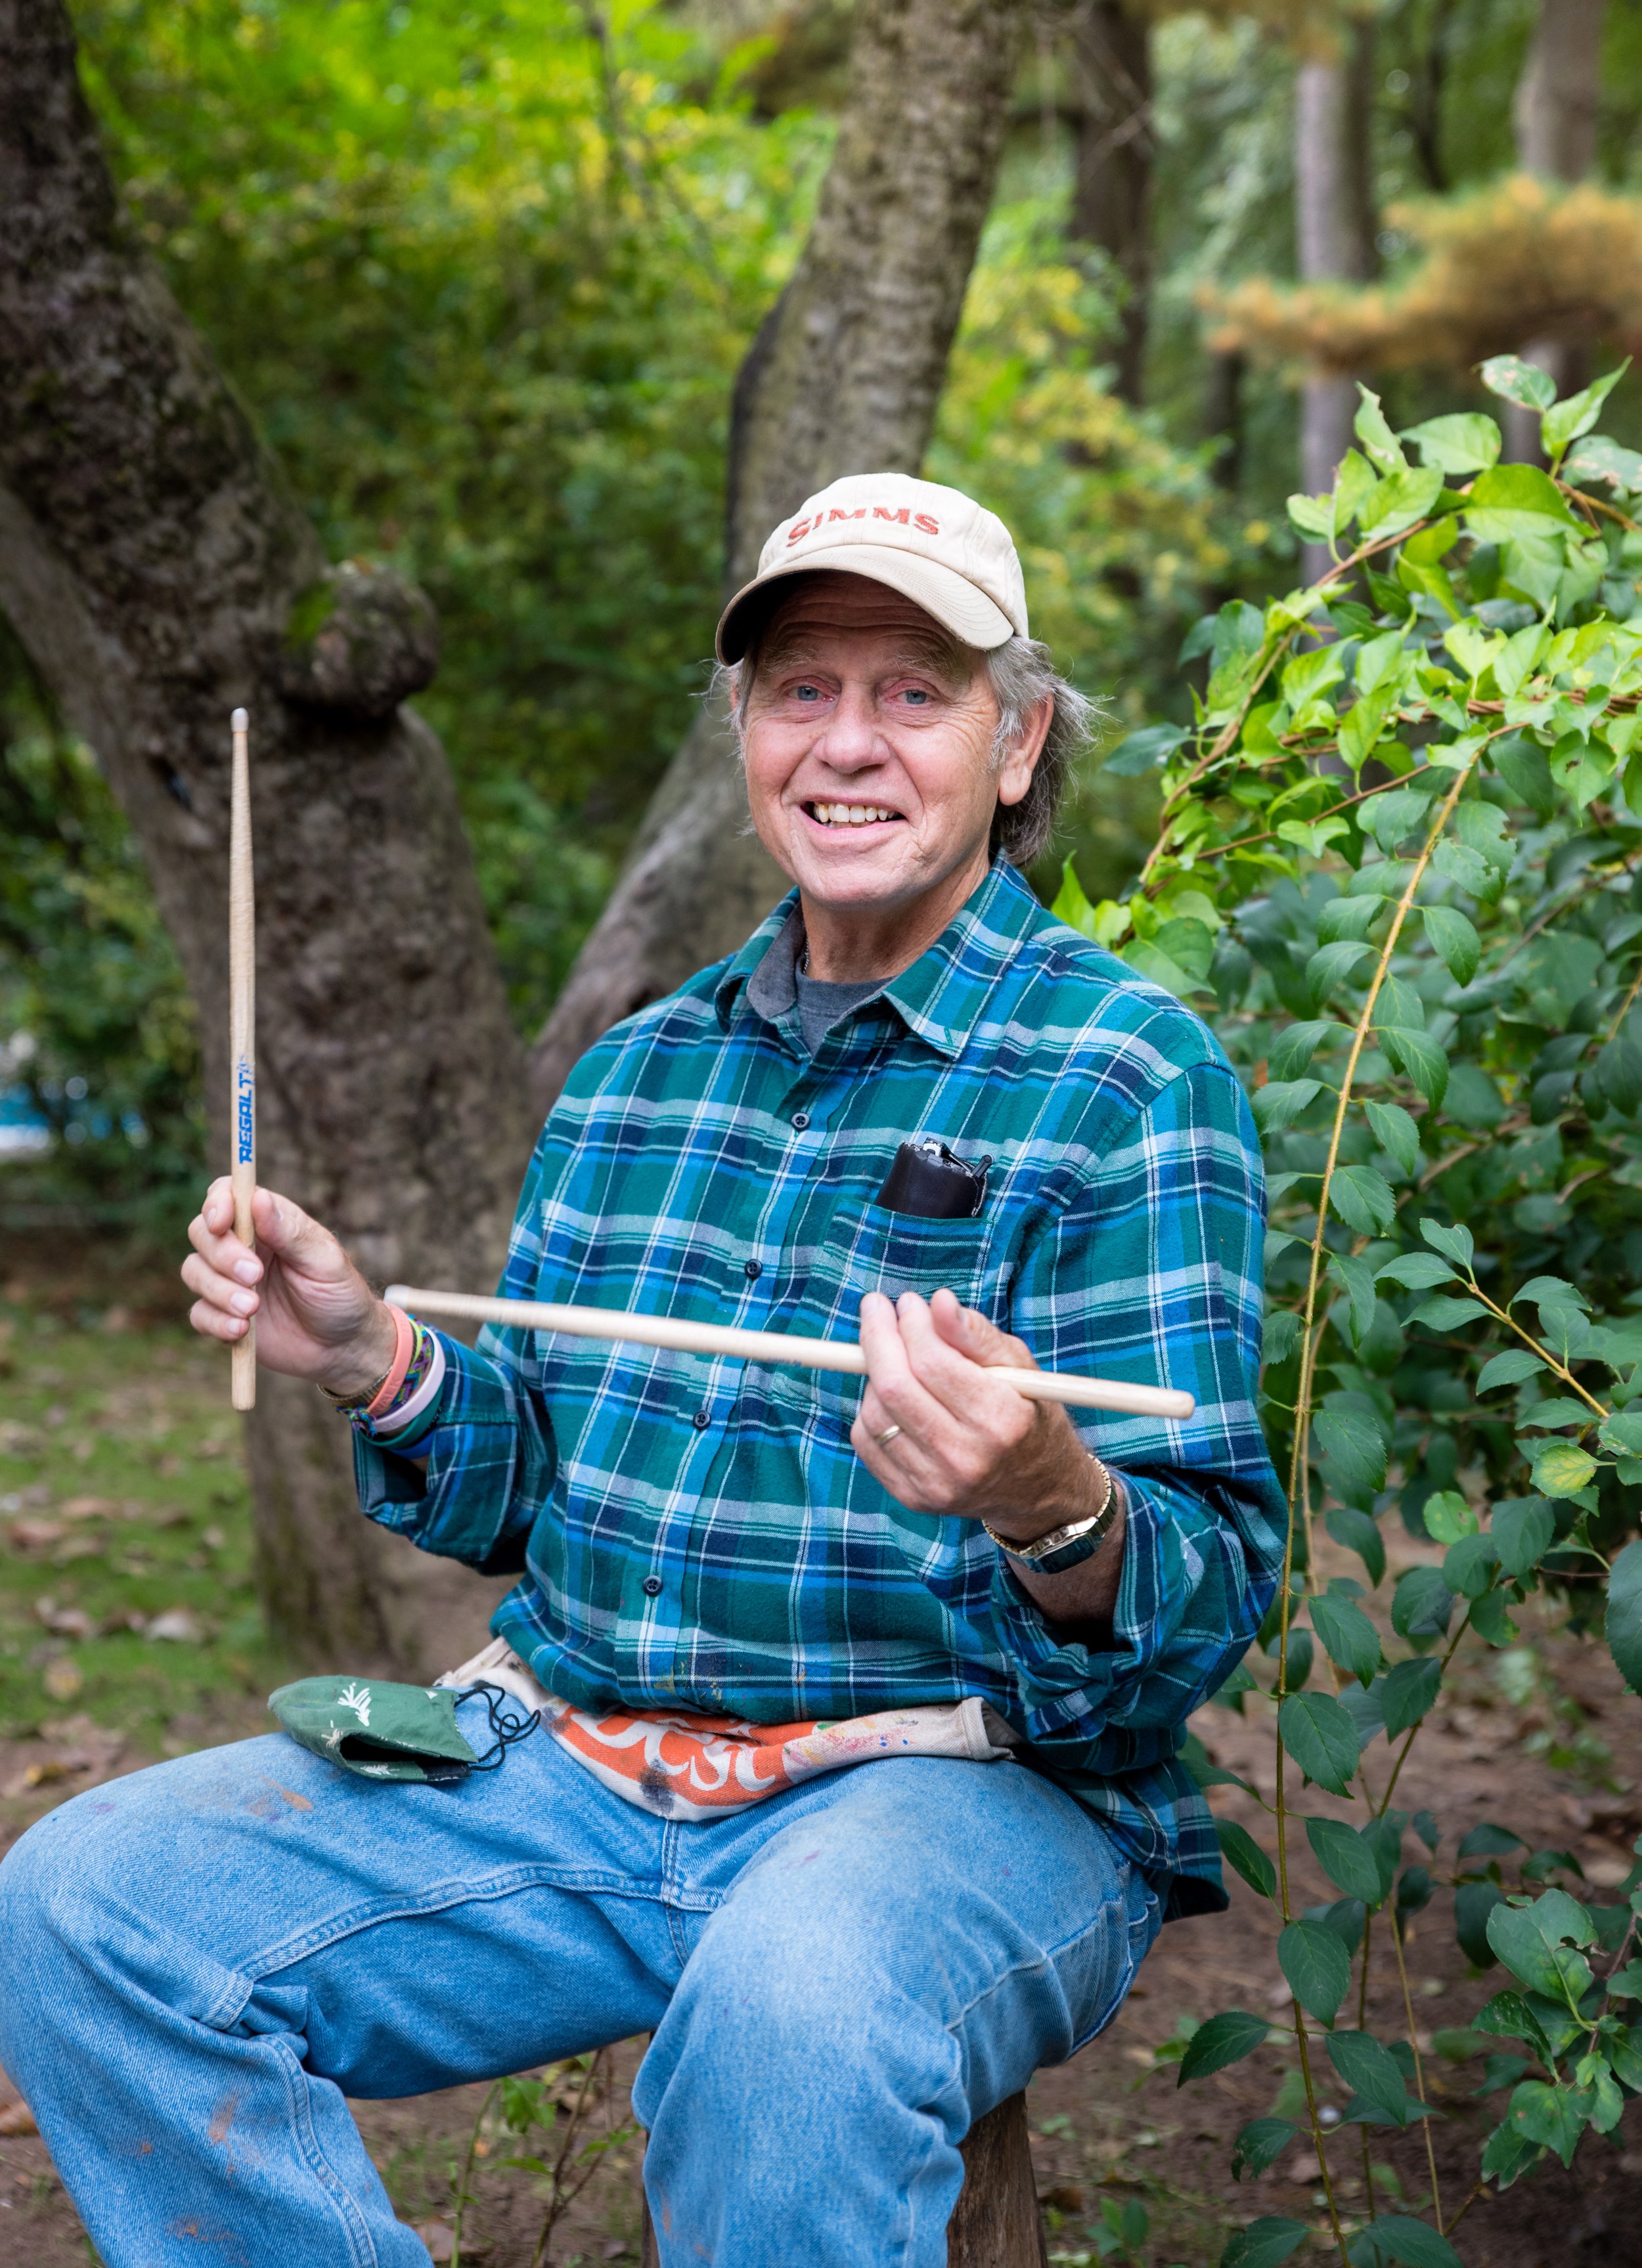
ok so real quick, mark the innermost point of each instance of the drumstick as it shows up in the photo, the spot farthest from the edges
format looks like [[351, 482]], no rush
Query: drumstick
[[773, 1346], [242, 1034]]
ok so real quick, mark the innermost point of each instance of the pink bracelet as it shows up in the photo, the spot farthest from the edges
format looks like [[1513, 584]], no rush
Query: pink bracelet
[[404, 1347]]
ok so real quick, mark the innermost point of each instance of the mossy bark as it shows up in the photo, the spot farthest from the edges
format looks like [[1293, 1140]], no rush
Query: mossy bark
[[159, 573]]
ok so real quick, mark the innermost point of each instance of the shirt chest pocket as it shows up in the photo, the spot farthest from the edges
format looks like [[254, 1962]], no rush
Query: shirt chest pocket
[[896, 1252]]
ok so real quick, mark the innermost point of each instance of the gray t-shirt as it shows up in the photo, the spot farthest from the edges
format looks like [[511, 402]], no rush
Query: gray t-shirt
[[822, 1005]]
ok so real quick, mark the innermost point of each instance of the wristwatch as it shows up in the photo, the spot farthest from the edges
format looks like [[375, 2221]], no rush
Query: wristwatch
[[1068, 1546]]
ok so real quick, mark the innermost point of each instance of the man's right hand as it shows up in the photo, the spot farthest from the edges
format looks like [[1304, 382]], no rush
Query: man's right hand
[[316, 1317]]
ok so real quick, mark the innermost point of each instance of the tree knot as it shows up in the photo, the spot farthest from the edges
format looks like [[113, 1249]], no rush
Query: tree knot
[[360, 639]]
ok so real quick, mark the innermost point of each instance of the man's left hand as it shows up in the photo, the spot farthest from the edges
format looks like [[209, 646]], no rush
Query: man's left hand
[[967, 1443]]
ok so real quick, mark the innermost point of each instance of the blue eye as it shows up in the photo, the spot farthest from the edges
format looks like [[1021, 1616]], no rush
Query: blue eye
[[915, 693], [808, 692]]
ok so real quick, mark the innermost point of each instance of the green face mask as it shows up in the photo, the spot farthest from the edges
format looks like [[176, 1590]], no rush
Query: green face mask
[[384, 1731]]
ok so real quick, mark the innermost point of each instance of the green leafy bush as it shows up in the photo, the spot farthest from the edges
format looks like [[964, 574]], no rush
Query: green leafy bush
[[1400, 869]]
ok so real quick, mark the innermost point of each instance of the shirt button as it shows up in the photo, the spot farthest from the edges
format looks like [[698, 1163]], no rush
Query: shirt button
[[754, 1271], [800, 1120], [653, 1586], [702, 1420]]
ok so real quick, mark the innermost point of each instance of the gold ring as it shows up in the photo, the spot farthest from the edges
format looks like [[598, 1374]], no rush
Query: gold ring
[[889, 1434]]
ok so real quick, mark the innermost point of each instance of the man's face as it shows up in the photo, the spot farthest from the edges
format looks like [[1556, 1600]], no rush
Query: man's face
[[868, 737]]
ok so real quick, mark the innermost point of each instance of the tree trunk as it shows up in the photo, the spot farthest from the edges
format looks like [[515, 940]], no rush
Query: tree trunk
[[1334, 230], [843, 377], [1555, 112], [159, 573], [1112, 184]]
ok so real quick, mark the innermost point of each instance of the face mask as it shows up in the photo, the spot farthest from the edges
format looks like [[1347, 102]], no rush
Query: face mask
[[384, 1731]]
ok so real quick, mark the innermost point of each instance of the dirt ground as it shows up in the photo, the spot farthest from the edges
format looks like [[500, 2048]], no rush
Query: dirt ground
[[1543, 1742]]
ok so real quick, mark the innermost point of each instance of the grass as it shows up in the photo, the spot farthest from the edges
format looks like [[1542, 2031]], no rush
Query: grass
[[125, 1535]]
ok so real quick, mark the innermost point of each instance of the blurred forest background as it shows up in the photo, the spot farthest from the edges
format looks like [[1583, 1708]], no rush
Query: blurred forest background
[[484, 274]]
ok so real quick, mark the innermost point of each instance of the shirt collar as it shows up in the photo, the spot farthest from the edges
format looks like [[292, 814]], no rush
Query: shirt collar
[[941, 995]]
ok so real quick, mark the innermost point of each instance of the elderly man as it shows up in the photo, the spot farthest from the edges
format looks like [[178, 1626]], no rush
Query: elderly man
[[857, 1785]]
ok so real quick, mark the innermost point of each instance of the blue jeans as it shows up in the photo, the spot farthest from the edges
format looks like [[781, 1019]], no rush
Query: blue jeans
[[202, 1961]]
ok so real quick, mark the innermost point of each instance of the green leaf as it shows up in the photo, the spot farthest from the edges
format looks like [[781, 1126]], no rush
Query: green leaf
[[1513, 379], [1322, 1739], [1251, 1862], [1538, 1943], [1381, 445], [1142, 751], [1396, 1134], [1521, 763], [1409, 1690], [1317, 1966], [1469, 1566], [1347, 1858], [1398, 2236], [1264, 2242], [1350, 1640], [1455, 1244], [1421, 1605], [1449, 1517], [1280, 1102], [1524, 1530], [1260, 2145], [1566, 421], [1507, 1369], [1507, 2156], [1363, 1199], [1374, 2074], [1353, 1446], [1486, 1840], [1416, 1271], [1507, 2016], [1293, 1050], [1226, 2038], [1465, 442], [1514, 500], [1455, 939], [1399, 501], [1440, 1313], [1331, 965], [1473, 1904], [1418, 1054], [1355, 1531], [1554, 2117], [1624, 1626], [1561, 1468], [1355, 1278], [1619, 1068]]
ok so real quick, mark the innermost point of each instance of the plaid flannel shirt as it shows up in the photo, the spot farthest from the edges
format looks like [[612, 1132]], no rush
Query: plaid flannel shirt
[[697, 1533]]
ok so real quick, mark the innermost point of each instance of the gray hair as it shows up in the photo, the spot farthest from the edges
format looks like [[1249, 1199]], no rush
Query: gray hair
[[1021, 674]]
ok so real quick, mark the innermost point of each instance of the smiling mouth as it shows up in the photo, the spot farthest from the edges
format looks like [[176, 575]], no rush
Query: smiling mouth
[[850, 814]]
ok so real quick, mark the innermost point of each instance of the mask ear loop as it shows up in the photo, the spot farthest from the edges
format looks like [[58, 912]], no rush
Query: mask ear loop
[[509, 1731]]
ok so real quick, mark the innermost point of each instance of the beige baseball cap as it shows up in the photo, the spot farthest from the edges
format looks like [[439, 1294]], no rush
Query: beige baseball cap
[[937, 547]]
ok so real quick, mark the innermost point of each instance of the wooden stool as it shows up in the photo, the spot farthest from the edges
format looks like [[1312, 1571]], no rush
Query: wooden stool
[[995, 2223]]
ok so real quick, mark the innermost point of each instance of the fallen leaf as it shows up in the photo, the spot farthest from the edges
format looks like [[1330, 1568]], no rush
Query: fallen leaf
[[16, 2118], [35, 1534], [440, 2240], [40, 1775], [89, 1508], [61, 1680], [1065, 2197], [176, 1624]]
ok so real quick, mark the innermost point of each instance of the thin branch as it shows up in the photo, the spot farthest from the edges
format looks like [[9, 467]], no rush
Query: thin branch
[[1419, 2071]]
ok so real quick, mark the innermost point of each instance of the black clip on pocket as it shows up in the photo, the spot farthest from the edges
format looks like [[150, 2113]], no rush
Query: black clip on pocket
[[929, 1183]]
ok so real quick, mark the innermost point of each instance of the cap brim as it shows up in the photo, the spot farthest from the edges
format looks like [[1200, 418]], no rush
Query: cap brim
[[954, 601]]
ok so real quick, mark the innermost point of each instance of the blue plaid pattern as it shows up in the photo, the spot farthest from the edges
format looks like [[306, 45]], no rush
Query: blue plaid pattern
[[698, 1533]]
